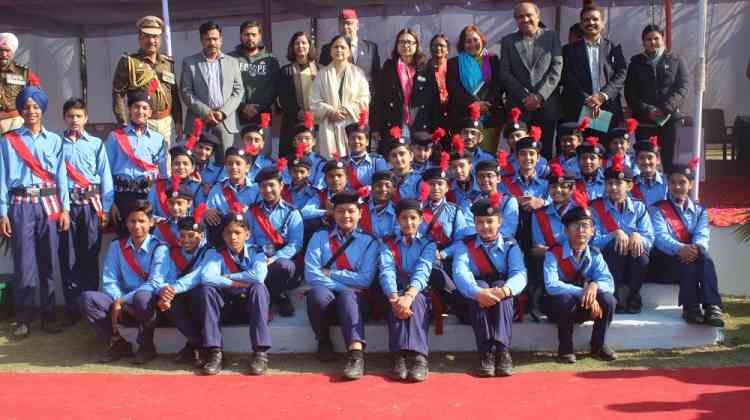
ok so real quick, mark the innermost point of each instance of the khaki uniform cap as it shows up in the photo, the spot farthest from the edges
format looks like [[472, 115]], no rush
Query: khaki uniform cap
[[151, 25]]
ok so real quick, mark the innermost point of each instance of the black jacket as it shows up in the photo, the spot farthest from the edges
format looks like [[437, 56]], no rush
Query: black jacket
[[425, 99], [259, 74], [287, 101], [459, 99], [662, 87]]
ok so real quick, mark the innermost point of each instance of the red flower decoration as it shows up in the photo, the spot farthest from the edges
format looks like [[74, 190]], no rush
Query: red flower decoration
[[632, 125], [584, 124], [580, 199], [536, 133], [199, 212], [556, 170]]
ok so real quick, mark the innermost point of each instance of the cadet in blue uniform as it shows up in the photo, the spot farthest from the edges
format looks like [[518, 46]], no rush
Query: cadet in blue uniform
[[361, 165], [405, 263], [625, 236], [91, 195], [339, 269], [406, 179], [205, 165], [649, 186], [579, 287], [253, 142], [591, 177], [463, 186], [514, 132], [276, 227], [318, 212], [304, 140], [379, 219], [182, 163], [471, 132], [620, 140], [34, 205], [179, 205], [423, 150], [298, 191], [134, 266], [137, 156], [570, 137], [488, 270], [682, 236], [488, 180]]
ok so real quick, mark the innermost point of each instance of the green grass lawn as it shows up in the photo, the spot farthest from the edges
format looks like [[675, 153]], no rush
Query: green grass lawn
[[75, 351]]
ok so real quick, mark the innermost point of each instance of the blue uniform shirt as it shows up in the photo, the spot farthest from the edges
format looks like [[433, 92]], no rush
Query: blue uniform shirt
[[286, 220], [414, 268], [361, 254], [695, 218], [191, 279], [595, 186], [384, 221], [408, 186], [119, 281], [555, 220], [542, 166], [420, 167], [315, 207], [300, 196], [509, 208], [259, 163], [317, 177], [173, 227], [534, 187], [568, 164], [463, 194], [246, 194], [634, 218], [591, 266], [480, 155], [453, 223], [46, 147], [153, 196], [653, 190], [505, 255], [89, 156], [214, 271], [211, 173], [364, 167], [148, 147]]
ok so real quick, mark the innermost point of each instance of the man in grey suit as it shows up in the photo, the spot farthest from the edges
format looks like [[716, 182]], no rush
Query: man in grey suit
[[531, 65], [212, 89]]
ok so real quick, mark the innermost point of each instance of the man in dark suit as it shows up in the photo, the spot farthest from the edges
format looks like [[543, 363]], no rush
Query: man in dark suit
[[599, 89], [530, 69]]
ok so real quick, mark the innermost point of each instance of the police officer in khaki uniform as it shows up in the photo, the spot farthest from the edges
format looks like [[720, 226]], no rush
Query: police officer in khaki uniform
[[136, 72], [13, 78]]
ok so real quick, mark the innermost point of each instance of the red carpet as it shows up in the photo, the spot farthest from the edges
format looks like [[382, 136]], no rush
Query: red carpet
[[658, 394], [727, 199]]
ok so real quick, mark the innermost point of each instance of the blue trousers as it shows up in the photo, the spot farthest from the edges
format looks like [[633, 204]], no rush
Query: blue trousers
[[282, 276], [211, 305], [410, 334], [698, 281], [79, 254], [492, 326], [181, 315], [566, 310], [326, 307], [141, 312], [626, 270], [34, 243]]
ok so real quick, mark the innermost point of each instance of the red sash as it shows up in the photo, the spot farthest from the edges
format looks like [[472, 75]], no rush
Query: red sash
[[451, 196], [546, 227], [674, 220], [365, 223], [76, 176], [554, 160], [607, 220], [513, 187], [570, 272], [437, 231], [483, 263], [168, 235], [352, 175], [323, 199], [396, 196], [581, 186], [124, 143], [266, 226], [231, 197], [127, 253], [178, 258], [161, 196], [391, 242], [286, 194], [342, 262], [228, 261], [28, 158], [636, 191]]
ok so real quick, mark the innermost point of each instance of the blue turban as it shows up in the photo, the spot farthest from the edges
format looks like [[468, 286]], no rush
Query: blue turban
[[36, 94]]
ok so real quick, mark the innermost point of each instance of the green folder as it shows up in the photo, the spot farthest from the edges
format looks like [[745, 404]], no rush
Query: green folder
[[600, 124]]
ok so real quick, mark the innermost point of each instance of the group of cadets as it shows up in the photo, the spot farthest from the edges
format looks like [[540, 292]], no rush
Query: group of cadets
[[434, 226]]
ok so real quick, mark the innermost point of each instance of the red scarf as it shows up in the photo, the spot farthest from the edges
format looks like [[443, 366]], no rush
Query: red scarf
[[546, 227], [607, 220], [127, 254], [513, 187], [567, 267], [342, 262], [265, 225], [670, 215], [124, 143]]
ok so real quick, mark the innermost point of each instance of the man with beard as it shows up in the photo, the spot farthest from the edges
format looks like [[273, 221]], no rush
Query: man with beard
[[13, 78]]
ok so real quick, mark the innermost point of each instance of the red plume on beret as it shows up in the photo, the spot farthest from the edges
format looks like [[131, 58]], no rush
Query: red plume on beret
[[300, 151], [632, 125], [515, 115], [474, 111], [584, 124], [193, 137], [363, 192], [152, 87], [502, 158], [308, 121], [395, 132], [594, 141], [580, 199], [33, 79], [654, 141], [281, 164], [199, 212], [556, 170], [693, 164], [335, 156], [445, 159], [236, 207], [536, 133], [495, 199], [363, 118], [175, 185], [458, 144], [438, 134], [424, 191], [618, 162], [251, 150], [265, 120]]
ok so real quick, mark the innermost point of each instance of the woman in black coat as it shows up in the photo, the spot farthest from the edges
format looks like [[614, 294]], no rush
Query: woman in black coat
[[294, 88], [655, 88], [472, 48], [407, 68]]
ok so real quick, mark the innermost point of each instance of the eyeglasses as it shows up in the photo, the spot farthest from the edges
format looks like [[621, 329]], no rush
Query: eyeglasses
[[406, 43], [582, 225]]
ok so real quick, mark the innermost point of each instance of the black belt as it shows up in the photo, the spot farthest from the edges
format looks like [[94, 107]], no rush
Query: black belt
[[134, 184], [85, 193], [33, 191]]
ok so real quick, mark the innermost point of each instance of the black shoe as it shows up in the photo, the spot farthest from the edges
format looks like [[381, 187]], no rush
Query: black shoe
[[188, 355], [714, 316], [622, 294], [51, 327], [419, 368], [355, 365], [604, 354], [503, 363], [693, 314], [486, 368], [567, 358], [258, 363], [71, 319], [399, 372], [634, 307], [325, 351], [145, 354], [20, 331], [213, 362], [116, 351], [286, 309]]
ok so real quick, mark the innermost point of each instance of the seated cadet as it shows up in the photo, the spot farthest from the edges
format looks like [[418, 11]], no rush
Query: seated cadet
[[514, 132], [488, 270], [298, 191], [463, 187], [571, 135], [133, 265], [210, 173], [34, 207], [649, 185], [590, 180], [547, 230], [339, 270], [625, 236], [378, 212], [179, 204], [360, 165], [488, 179], [579, 287], [230, 287], [405, 179], [184, 170], [422, 146], [137, 156], [253, 142], [276, 228], [174, 302], [472, 133], [682, 236], [318, 212], [91, 195], [619, 144], [304, 135], [405, 265]]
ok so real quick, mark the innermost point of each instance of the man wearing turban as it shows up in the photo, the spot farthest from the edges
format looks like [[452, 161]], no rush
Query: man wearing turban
[[13, 78]]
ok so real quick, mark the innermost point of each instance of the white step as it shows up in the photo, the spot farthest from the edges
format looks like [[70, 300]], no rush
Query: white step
[[655, 295]]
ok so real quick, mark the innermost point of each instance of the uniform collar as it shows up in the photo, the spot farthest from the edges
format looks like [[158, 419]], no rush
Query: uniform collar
[[499, 243], [130, 129], [414, 239], [568, 252], [84, 136], [338, 234], [628, 207], [144, 246], [26, 132], [364, 158], [689, 205]]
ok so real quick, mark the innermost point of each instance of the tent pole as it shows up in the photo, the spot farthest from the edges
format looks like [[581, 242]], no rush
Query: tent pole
[[700, 86], [167, 26], [268, 35], [84, 71], [668, 24]]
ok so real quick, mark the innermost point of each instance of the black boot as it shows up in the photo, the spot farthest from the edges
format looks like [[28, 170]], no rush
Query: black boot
[[692, 313], [286, 309], [486, 366], [605, 354], [20, 331], [116, 351], [399, 371], [258, 363], [145, 354], [213, 363], [419, 368], [503, 362], [188, 354], [622, 294], [714, 316], [355, 365]]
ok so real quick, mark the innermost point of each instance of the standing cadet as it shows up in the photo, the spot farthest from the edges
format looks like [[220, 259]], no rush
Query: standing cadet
[[298, 191], [590, 181], [13, 78], [488, 180], [183, 172], [253, 141], [463, 187], [205, 165], [650, 185], [91, 195], [34, 206], [339, 269], [378, 212], [361, 165], [149, 67], [304, 142], [406, 179], [488, 270], [514, 132]]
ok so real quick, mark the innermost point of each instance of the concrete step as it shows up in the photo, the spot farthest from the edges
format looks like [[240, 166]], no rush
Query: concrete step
[[655, 295]]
